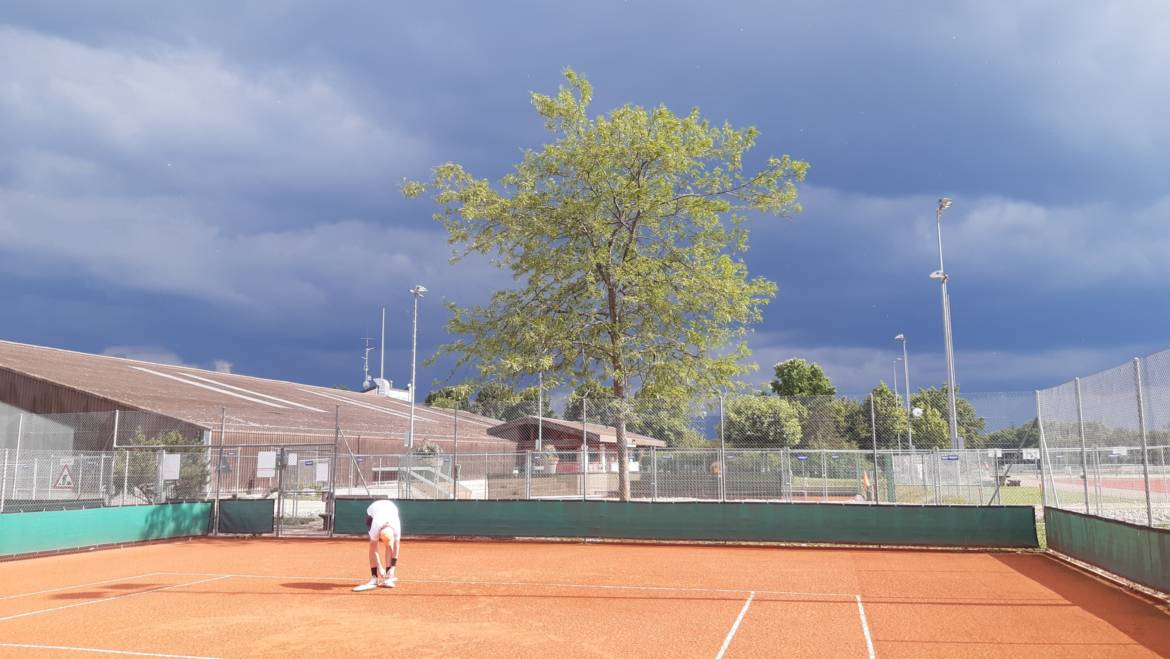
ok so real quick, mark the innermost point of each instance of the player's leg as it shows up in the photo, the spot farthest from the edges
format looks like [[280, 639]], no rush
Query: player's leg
[[389, 537], [376, 570]]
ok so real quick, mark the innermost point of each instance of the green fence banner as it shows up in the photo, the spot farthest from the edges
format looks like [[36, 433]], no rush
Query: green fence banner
[[1138, 553], [950, 526], [246, 516], [27, 533]]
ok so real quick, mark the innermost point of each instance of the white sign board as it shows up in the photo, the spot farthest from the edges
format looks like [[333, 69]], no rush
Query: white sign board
[[1031, 454], [994, 453], [322, 472], [172, 462], [290, 459], [266, 464]]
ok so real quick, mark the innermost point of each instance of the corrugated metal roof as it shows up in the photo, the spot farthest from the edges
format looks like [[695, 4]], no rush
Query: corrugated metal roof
[[197, 396]]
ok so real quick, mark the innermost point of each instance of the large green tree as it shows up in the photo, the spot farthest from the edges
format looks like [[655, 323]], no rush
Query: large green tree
[[796, 377], [625, 236]]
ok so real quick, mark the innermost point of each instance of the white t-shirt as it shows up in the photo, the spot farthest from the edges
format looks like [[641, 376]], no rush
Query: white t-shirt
[[385, 515]]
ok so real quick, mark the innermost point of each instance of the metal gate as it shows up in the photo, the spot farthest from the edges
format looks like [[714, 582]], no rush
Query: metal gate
[[304, 502]]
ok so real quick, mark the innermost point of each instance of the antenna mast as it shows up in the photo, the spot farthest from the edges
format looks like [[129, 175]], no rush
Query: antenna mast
[[382, 350]]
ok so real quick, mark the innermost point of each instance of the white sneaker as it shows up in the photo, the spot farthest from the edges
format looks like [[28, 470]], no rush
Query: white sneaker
[[369, 585], [390, 582]]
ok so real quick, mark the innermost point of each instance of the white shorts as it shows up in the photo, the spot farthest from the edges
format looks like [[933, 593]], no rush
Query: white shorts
[[391, 523]]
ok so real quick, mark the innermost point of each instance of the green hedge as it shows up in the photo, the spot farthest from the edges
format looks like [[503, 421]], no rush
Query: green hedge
[[27, 533], [1138, 553], [957, 526]]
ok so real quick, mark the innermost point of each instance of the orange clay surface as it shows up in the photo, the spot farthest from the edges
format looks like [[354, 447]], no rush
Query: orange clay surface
[[291, 598]]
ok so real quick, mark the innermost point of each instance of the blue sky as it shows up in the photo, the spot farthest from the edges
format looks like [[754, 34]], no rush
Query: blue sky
[[218, 182]]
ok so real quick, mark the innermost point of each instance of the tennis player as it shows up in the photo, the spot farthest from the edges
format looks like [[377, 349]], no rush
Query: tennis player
[[385, 529]]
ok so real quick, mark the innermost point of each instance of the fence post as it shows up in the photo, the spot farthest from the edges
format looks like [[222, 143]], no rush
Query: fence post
[[332, 505], [219, 466], [455, 457], [4, 482], [1084, 450], [936, 467], [873, 430], [16, 472], [824, 475], [1044, 458], [527, 474], [585, 450], [1137, 376], [722, 453], [654, 473]]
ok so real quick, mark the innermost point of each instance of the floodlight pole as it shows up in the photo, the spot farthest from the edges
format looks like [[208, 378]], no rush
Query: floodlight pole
[[416, 293], [897, 395], [941, 275], [906, 382]]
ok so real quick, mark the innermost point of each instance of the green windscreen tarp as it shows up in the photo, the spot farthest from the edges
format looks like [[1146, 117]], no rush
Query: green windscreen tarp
[[963, 526], [1138, 553], [26, 533], [246, 516]]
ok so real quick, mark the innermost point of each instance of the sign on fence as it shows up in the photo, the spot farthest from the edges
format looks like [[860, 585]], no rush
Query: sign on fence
[[266, 464], [65, 480], [171, 466]]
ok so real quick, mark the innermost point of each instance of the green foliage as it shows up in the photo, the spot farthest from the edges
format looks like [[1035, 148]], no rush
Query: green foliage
[[428, 448], [796, 377], [625, 235], [930, 430], [143, 466], [887, 415], [591, 400], [824, 426], [1024, 436], [970, 423], [456, 397], [763, 422], [500, 401]]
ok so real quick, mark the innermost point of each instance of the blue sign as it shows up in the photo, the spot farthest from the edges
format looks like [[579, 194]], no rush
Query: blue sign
[[802, 457], [950, 457], [308, 463]]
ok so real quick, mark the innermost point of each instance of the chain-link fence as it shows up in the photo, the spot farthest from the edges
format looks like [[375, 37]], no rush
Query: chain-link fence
[[1106, 440]]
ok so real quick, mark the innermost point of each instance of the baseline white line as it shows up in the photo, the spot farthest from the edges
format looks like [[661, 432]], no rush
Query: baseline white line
[[80, 585], [865, 628], [735, 627], [458, 582], [109, 599], [130, 653]]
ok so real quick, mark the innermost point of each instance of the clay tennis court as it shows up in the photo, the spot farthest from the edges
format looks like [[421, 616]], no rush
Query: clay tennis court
[[280, 598]]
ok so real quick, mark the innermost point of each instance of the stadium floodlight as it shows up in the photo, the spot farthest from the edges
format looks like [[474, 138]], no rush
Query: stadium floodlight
[[901, 338], [942, 277], [416, 293]]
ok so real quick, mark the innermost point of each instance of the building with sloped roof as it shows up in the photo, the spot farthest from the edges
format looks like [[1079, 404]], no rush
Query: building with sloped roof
[[107, 401]]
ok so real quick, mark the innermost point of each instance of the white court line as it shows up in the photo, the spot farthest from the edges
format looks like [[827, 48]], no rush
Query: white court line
[[71, 648], [530, 584], [80, 585], [109, 599], [865, 628], [735, 627]]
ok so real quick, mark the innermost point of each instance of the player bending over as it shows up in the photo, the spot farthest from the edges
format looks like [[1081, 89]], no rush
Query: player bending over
[[385, 529]]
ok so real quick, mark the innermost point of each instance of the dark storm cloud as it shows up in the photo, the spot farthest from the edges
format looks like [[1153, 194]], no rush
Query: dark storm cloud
[[178, 160]]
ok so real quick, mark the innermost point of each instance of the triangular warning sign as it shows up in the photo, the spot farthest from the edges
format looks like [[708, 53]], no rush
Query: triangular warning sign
[[65, 480]]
